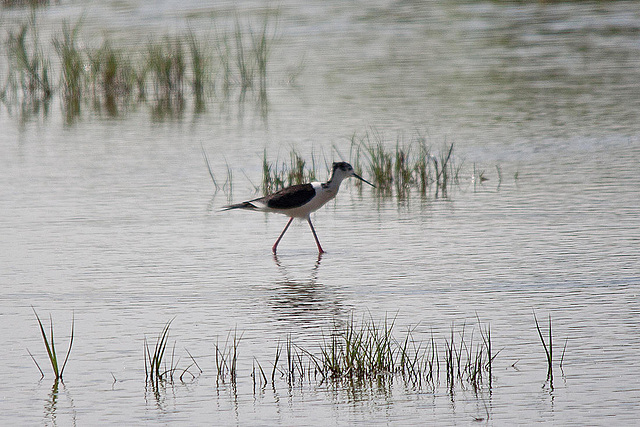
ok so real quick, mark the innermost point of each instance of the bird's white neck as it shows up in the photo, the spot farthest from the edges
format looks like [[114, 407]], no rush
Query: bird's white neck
[[333, 184]]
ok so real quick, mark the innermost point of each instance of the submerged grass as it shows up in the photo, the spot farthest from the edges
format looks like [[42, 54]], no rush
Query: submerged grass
[[113, 78], [353, 352], [161, 369], [50, 346], [29, 68], [371, 351], [279, 174], [200, 69], [227, 357], [166, 64], [548, 348], [155, 362], [168, 70], [72, 80], [406, 167]]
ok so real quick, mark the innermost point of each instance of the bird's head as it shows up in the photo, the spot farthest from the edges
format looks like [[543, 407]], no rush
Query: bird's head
[[342, 170]]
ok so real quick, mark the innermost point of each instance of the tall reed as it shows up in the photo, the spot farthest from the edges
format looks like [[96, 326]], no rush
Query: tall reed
[[548, 348], [226, 356], [155, 367], [200, 68], [72, 63], [50, 346], [166, 65], [113, 77], [28, 62]]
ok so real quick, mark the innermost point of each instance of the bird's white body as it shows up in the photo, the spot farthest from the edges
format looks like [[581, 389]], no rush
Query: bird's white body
[[298, 201], [323, 194]]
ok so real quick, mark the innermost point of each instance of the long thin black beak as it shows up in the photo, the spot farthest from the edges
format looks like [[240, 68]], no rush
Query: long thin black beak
[[363, 180]]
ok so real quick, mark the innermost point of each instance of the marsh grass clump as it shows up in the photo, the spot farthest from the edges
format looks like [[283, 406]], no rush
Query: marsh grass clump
[[272, 180], [155, 362], [444, 169], [356, 353], [380, 162], [250, 51], [50, 346], [72, 65], [295, 367], [29, 68], [279, 174], [423, 172], [262, 43], [469, 361], [398, 169], [113, 78], [168, 71], [159, 368], [244, 62], [360, 350], [547, 345], [227, 357], [368, 350], [166, 64], [403, 170], [200, 69]]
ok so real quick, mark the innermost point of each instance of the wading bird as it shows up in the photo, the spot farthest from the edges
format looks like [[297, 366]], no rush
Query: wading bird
[[298, 201]]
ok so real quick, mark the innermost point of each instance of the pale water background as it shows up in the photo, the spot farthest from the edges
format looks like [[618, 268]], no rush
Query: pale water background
[[115, 219]]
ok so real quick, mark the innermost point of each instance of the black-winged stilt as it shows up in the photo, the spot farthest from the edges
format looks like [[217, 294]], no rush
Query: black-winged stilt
[[298, 201]]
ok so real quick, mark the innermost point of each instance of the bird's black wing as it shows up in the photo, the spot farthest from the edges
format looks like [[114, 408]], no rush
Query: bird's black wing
[[291, 197]]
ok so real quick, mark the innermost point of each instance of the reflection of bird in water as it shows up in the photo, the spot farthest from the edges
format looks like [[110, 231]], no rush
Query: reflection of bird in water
[[298, 201], [303, 300], [314, 270]]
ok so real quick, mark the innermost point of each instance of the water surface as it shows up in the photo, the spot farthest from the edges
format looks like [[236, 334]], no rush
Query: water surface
[[115, 219]]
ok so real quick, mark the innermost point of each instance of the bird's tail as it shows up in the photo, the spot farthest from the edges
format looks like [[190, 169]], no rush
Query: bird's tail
[[243, 205]]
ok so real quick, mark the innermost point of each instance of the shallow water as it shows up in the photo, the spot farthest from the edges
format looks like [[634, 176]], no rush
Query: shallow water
[[115, 221]]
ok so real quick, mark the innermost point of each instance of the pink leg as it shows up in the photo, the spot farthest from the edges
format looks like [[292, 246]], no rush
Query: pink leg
[[275, 245], [315, 236]]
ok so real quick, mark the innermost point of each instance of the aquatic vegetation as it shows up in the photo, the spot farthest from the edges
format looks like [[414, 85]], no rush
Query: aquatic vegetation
[[370, 350], [168, 71], [279, 174], [211, 174], [548, 349], [29, 68], [166, 64], [405, 168], [158, 369], [350, 352], [153, 368], [380, 161], [50, 346], [23, 3], [112, 77], [200, 69], [444, 170], [72, 64], [227, 357]]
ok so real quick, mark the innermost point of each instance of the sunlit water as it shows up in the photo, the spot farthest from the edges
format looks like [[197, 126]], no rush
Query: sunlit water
[[115, 221]]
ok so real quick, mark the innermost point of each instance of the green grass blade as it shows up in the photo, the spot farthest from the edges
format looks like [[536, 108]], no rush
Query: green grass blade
[[46, 344], [36, 362], [544, 344], [73, 321]]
